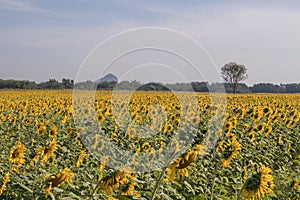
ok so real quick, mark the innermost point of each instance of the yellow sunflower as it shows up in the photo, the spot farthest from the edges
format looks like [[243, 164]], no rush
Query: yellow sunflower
[[55, 181], [53, 131], [16, 156], [80, 157], [178, 168], [113, 182], [168, 128], [251, 135], [259, 184], [229, 151], [5, 181], [129, 188], [44, 153], [294, 185], [102, 165], [146, 147]]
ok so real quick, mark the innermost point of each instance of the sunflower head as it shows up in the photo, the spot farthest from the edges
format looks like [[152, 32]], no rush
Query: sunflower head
[[253, 182], [17, 154], [53, 131], [259, 184], [294, 185], [60, 177]]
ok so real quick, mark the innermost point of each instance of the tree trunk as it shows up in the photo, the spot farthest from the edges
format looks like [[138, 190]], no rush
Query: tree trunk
[[234, 88]]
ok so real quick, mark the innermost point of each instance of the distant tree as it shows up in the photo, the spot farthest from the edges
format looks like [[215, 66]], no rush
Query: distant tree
[[126, 85], [200, 86], [234, 73], [292, 88], [241, 88], [67, 83], [153, 87], [51, 84], [106, 85], [180, 87], [264, 88]]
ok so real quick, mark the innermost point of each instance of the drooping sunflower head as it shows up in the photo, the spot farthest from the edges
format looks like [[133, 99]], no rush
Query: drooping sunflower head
[[113, 182], [48, 151], [187, 159], [294, 185], [53, 131], [176, 170], [80, 157], [230, 150], [4, 182], [258, 184], [60, 177]]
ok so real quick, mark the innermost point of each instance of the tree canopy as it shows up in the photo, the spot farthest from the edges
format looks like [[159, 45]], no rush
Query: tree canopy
[[195, 86], [234, 73]]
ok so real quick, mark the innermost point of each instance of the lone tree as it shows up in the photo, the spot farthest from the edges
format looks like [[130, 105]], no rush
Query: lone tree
[[234, 73]]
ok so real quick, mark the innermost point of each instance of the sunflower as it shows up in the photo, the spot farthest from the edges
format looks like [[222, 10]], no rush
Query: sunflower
[[138, 118], [195, 121], [168, 128], [259, 184], [101, 118], [174, 172], [45, 152], [80, 157], [114, 181], [4, 183], [229, 150], [53, 131], [251, 135], [268, 130], [146, 147], [228, 126], [41, 129], [178, 168], [234, 121], [16, 156], [245, 128], [130, 132], [257, 116], [58, 179], [129, 188], [64, 119], [279, 139], [294, 185], [245, 173]]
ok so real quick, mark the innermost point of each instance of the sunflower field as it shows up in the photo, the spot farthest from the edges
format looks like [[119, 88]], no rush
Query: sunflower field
[[51, 149]]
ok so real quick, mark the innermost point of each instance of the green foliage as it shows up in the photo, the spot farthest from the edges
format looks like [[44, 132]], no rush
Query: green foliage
[[234, 73]]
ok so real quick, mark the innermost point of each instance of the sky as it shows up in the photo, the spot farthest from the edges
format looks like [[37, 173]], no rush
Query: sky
[[42, 39]]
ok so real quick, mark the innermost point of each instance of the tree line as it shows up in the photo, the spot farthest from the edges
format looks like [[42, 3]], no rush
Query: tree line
[[51, 84], [65, 83]]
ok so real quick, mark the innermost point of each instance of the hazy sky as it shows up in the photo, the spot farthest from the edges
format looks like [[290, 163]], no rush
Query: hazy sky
[[42, 39]]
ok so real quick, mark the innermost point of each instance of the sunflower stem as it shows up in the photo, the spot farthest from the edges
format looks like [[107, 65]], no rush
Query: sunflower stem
[[212, 189], [240, 192], [158, 182], [95, 189], [25, 188]]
